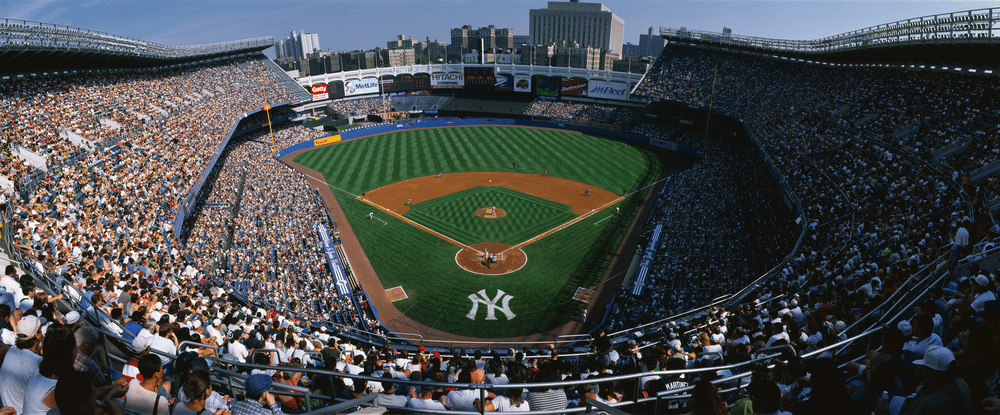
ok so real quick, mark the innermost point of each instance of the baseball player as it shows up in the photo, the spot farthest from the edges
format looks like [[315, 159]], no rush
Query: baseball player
[[616, 210], [409, 201], [371, 215], [515, 165], [588, 192], [493, 211], [545, 173], [439, 174]]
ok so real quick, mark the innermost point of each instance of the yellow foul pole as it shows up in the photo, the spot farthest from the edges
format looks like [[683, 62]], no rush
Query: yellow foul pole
[[267, 110]]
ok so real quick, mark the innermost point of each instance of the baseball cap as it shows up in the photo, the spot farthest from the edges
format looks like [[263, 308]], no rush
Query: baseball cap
[[982, 280], [72, 317], [937, 358], [257, 384], [140, 343], [28, 325]]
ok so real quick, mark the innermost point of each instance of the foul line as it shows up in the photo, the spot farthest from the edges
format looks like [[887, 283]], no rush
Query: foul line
[[426, 229], [579, 218], [602, 220], [380, 220], [563, 226]]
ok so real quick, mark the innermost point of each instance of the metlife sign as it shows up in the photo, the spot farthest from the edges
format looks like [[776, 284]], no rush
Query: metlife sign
[[354, 87], [608, 90]]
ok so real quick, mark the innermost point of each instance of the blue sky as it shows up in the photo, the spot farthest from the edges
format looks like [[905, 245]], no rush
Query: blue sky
[[350, 25]]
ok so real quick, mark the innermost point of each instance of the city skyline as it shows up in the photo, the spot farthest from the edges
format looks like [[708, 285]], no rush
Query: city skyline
[[367, 25]]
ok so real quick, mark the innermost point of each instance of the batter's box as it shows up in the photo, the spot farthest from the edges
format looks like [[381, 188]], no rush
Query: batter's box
[[583, 294], [396, 294]]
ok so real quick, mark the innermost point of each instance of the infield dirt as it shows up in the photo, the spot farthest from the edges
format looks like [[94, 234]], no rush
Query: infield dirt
[[394, 196]]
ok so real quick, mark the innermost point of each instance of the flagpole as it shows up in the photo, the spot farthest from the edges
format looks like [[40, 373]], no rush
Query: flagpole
[[711, 101], [267, 110]]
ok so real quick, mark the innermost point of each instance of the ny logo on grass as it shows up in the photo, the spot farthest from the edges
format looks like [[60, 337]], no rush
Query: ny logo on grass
[[491, 305]]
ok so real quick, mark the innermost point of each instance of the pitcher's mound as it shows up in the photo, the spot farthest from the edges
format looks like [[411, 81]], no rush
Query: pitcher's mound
[[507, 261], [491, 213]]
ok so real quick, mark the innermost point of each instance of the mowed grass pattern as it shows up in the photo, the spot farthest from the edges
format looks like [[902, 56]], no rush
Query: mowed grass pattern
[[424, 265], [454, 215], [364, 164]]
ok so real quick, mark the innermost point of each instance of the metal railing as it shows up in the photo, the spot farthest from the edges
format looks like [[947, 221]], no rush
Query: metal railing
[[971, 26], [15, 33]]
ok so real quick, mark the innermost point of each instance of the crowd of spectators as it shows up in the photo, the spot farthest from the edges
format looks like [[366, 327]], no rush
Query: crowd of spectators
[[362, 106], [723, 223], [581, 111], [875, 211]]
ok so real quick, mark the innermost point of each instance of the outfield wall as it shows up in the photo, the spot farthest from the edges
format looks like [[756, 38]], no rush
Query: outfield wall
[[359, 132]]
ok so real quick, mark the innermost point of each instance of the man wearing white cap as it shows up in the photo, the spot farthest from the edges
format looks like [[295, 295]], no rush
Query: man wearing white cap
[[73, 320], [21, 362], [213, 331], [982, 289], [940, 392], [140, 346]]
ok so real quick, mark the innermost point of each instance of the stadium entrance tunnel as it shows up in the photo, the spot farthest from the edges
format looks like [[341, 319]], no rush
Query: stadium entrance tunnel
[[491, 258]]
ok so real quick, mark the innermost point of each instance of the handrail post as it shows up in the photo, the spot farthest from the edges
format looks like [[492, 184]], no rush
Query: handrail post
[[482, 401]]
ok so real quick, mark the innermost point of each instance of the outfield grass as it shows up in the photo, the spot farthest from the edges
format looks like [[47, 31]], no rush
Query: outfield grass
[[424, 265], [454, 215]]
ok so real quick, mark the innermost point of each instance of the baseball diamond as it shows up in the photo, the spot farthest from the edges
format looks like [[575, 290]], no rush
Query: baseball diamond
[[429, 183]]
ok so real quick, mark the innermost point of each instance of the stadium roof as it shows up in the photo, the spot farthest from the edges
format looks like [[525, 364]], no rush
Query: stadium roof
[[27, 47], [963, 39]]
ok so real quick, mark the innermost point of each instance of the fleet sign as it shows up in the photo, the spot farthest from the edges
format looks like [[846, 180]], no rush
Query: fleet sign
[[608, 90]]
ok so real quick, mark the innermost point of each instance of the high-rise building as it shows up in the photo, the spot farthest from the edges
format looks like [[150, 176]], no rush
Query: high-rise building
[[401, 42], [590, 25], [297, 45], [651, 44], [401, 57], [467, 39]]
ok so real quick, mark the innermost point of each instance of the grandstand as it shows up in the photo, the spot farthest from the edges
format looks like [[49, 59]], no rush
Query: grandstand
[[836, 225]]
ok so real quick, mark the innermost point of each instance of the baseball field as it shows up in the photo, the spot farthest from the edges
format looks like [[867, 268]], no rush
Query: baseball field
[[425, 205]]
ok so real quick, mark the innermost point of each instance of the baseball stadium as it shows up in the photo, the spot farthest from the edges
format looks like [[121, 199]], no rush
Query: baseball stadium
[[731, 224]]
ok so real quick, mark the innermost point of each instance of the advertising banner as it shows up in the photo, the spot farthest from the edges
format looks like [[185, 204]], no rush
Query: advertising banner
[[639, 285], [575, 87], [453, 80], [326, 140], [479, 78], [319, 92], [504, 82], [522, 83], [333, 260], [546, 86], [608, 90], [354, 87]]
